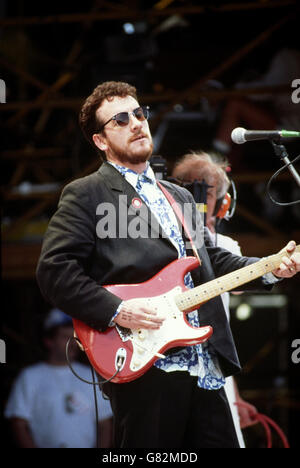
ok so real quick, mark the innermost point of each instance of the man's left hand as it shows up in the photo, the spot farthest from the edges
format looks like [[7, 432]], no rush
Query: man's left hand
[[289, 265]]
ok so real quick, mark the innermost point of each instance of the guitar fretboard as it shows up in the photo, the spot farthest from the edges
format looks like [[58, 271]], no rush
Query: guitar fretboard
[[193, 298]]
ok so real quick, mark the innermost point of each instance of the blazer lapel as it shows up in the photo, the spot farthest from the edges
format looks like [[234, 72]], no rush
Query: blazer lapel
[[131, 200]]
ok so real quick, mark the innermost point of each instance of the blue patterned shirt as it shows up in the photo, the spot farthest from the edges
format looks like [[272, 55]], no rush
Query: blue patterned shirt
[[199, 360]]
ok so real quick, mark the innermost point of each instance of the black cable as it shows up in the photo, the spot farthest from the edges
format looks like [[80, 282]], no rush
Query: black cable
[[271, 180], [96, 406], [94, 383], [233, 201], [81, 378]]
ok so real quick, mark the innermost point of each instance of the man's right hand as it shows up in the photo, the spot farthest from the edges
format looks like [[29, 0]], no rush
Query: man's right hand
[[135, 313]]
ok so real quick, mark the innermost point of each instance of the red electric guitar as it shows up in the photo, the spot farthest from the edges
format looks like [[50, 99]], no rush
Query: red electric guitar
[[126, 354]]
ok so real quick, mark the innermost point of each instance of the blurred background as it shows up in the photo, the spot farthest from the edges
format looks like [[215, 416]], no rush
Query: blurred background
[[191, 62]]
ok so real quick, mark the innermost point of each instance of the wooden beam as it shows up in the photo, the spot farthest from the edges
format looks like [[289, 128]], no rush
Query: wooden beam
[[42, 174], [41, 196], [254, 245], [52, 89], [219, 95], [138, 14], [47, 170], [191, 94], [60, 83], [57, 166], [23, 74], [258, 222], [19, 260], [43, 204], [18, 174], [72, 56], [31, 152], [255, 177]]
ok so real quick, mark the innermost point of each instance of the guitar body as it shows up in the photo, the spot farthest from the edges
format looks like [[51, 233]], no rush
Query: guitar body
[[137, 350]]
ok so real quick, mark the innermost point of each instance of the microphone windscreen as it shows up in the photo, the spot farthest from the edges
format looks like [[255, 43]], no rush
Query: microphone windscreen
[[238, 135]]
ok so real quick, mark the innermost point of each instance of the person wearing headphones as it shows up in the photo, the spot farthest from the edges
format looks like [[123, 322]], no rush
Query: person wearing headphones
[[213, 170]]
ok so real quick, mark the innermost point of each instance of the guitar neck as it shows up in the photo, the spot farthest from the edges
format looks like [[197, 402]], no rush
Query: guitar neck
[[193, 298]]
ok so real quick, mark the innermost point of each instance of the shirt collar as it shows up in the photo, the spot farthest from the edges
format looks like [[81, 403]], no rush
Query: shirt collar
[[132, 177]]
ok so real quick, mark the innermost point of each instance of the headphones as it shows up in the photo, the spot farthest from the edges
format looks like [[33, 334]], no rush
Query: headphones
[[225, 206], [222, 206]]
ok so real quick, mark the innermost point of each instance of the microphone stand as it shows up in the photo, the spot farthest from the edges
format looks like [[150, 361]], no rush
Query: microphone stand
[[281, 152]]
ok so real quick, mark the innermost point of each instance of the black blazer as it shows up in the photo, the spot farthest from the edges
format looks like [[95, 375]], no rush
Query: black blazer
[[77, 258]]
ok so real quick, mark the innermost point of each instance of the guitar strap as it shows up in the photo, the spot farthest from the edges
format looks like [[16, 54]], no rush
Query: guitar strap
[[180, 216]]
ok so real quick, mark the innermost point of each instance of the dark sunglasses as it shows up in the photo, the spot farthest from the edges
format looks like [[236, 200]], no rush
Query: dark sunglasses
[[122, 119]]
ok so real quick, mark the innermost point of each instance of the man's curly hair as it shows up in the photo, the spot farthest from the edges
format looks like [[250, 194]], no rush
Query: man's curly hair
[[88, 121]]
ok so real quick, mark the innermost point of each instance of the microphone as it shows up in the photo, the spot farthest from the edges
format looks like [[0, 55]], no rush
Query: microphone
[[240, 135]]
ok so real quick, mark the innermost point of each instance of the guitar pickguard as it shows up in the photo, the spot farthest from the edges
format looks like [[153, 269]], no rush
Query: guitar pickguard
[[175, 329]]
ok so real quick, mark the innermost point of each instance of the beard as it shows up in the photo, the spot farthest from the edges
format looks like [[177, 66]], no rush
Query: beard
[[132, 155]]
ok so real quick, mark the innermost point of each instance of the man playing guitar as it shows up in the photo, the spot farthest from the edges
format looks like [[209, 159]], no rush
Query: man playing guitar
[[110, 259]]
